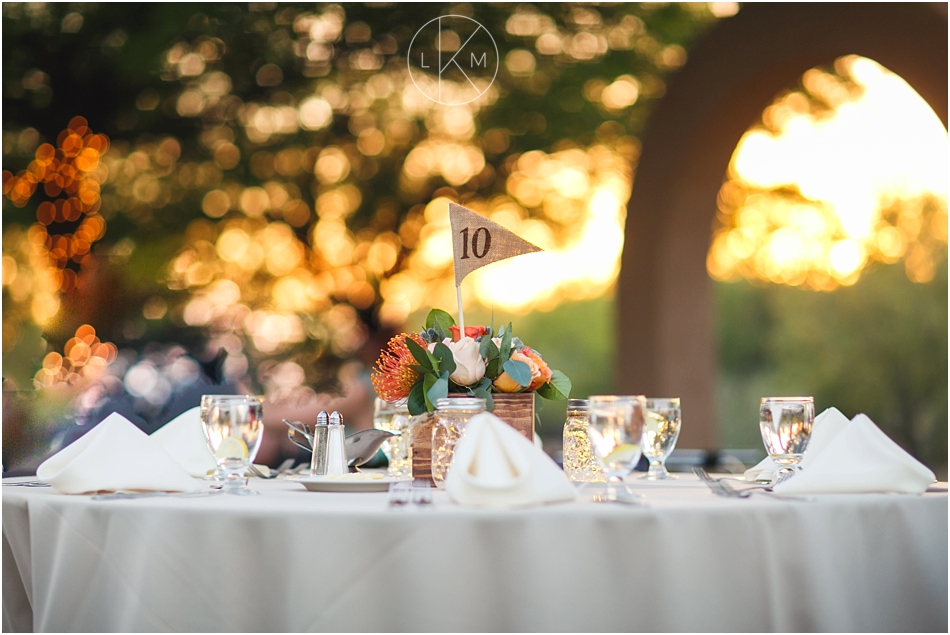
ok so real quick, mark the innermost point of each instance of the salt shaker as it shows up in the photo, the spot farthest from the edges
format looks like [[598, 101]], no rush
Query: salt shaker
[[336, 449], [321, 434]]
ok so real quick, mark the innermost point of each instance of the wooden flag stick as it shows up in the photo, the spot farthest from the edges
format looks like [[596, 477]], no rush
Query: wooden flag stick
[[458, 294]]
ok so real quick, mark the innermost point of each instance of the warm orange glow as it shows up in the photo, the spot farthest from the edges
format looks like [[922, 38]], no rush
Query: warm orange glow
[[813, 198], [83, 360], [71, 173]]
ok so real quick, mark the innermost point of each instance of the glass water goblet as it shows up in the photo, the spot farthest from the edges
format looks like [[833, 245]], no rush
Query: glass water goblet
[[615, 428], [235, 429], [204, 406], [661, 428], [394, 418], [786, 424]]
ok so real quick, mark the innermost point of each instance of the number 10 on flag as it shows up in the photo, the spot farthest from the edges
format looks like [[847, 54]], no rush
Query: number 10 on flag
[[476, 242]]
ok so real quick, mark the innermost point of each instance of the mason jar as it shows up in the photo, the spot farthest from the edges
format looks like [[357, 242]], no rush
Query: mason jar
[[580, 465], [451, 416]]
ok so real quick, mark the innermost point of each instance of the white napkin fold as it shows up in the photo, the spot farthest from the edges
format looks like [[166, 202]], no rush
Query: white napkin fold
[[184, 440], [859, 458], [115, 455], [495, 466], [826, 427]]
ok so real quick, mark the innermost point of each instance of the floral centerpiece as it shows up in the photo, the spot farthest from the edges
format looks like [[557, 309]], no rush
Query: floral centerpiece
[[424, 367]]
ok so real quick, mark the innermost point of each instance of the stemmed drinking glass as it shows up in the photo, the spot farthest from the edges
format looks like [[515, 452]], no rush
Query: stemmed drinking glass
[[661, 429], [786, 424], [394, 418], [234, 428], [615, 427], [204, 407]]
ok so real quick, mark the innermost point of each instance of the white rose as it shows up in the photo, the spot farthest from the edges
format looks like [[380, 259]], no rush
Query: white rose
[[469, 365]]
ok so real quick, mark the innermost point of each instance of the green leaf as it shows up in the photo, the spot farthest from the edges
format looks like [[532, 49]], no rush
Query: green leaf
[[422, 370], [519, 371], [422, 355], [484, 347], [485, 394], [439, 389], [427, 383], [504, 351], [558, 389], [417, 400], [446, 360], [439, 320]]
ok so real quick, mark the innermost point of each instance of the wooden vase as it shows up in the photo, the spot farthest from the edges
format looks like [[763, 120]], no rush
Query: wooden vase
[[515, 409]]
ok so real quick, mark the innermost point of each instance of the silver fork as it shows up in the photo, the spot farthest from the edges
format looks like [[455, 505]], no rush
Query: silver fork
[[721, 487], [28, 484]]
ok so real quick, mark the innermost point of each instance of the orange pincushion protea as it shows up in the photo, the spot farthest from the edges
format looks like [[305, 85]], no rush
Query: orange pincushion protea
[[393, 376]]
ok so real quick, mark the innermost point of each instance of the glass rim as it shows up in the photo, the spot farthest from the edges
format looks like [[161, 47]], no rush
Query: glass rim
[[788, 399], [616, 399], [218, 400], [670, 402]]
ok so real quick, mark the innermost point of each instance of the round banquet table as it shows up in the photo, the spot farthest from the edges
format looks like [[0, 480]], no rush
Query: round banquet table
[[294, 560]]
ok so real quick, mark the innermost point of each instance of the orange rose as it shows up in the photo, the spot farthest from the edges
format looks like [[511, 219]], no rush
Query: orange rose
[[504, 382], [544, 374], [473, 332]]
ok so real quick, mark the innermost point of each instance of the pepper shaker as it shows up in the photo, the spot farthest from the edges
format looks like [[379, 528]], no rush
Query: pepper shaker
[[321, 435]]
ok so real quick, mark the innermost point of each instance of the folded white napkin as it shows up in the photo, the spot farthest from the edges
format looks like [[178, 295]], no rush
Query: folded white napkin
[[860, 458], [184, 440], [826, 427], [115, 455], [495, 466]]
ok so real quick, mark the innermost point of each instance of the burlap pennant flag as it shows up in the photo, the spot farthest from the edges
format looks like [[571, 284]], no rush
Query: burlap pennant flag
[[477, 241]]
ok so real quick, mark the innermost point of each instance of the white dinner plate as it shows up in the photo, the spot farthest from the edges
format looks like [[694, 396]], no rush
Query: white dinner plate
[[346, 484]]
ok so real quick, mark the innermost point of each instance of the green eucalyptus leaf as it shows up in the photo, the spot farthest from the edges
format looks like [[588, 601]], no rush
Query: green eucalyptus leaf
[[485, 346], [439, 389], [519, 371], [485, 394], [417, 400], [427, 383], [446, 360], [422, 370], [504, 351], [558, 389], [440, 321], [422, 355]]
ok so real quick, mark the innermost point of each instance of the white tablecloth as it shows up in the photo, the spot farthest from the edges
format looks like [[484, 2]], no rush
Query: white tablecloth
[[293, 560]]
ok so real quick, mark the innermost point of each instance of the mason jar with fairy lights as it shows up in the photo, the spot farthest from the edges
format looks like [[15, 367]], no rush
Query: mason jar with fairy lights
[[580, 464], [452, 415]]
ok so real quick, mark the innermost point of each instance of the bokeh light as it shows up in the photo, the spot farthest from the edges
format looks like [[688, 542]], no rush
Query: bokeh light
[[848, 171]]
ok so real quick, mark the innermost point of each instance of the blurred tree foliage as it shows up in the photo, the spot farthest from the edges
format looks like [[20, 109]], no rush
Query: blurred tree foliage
[[260, 193], [878, 347]]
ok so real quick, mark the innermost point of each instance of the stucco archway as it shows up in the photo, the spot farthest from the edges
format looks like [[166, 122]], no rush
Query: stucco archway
[[664, 295]]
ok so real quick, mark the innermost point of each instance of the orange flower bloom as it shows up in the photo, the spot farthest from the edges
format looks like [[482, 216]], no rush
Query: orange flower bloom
[[544, 374], [393, 376], [473, 332], [504, 381]]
